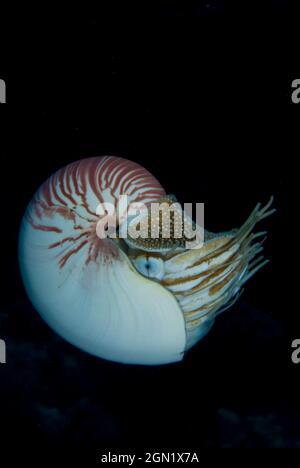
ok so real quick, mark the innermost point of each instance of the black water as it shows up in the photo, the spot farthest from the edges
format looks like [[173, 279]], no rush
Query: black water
[[204, 103]]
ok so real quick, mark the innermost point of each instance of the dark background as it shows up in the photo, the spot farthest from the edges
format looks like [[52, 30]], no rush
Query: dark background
[[201, 96]]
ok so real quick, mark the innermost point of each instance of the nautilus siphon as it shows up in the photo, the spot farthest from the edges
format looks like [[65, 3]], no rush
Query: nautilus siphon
[[131, 300]]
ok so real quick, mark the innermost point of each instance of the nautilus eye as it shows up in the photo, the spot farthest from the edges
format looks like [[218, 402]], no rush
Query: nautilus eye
[[133, 300], [152, 267]]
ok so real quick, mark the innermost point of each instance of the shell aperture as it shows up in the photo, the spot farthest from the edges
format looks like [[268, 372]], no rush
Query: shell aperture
[[126, 300]]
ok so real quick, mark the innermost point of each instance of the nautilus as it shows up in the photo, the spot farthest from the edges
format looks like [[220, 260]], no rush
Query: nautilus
[[135, 301]]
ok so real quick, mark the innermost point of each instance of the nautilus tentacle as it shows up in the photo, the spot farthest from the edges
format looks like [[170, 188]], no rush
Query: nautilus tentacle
[[140, 301], [208, 280]]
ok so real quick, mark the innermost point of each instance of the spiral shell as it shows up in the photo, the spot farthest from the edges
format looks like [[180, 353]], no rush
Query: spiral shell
[[124, 300]]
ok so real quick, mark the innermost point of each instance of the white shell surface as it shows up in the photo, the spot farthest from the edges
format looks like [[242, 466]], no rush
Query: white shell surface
[[85, 288], [108, 310]]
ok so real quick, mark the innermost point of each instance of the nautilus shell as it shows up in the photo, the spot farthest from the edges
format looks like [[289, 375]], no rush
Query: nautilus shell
[[138, 301]]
